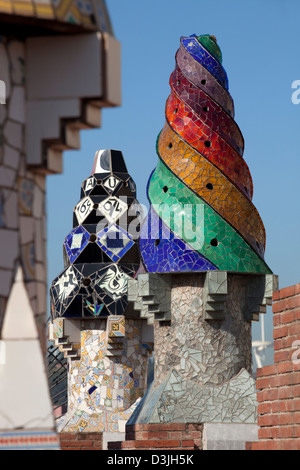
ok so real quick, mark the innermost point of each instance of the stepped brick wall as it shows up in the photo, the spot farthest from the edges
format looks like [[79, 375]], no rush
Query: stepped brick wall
[[80, 441], [161, 436], [279, 384]]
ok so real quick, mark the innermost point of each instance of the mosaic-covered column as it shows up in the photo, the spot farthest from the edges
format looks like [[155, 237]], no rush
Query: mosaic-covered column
[[44, 103], [202, 245], [22, 191], [106, 344], [42, 47]]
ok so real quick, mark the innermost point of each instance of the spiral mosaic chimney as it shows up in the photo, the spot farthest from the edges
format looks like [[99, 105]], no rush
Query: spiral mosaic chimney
[[202, 247], [106, 344], [202, 217]]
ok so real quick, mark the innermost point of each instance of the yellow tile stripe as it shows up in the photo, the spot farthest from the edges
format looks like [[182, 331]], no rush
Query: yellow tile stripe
[[24, 8], [197, 172], [6, 6]]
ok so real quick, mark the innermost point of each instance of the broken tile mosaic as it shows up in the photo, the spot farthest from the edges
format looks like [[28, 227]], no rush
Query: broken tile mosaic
[[99, 253], [201, 170]]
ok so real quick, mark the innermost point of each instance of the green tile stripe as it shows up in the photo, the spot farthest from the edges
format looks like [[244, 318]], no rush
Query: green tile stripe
[[232, 252], [210, 44]]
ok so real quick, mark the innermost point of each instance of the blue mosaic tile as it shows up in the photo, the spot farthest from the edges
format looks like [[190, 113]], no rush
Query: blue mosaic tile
[[114, 241], [162, 251], [75, 242], [99, 253], [200, 54]]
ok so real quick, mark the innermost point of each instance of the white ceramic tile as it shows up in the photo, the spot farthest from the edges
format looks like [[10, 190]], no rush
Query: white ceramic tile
[[24, 392], [16, 110], [38, 237], [11, 157], [7, 177], [13, 134], [11, 209], [19, 320], [40, 181], [38, 202], [26, 229], [4, 71], [9, 244], [41, 297], [40, 274], [3, 114], [2, 352], [122, 424]]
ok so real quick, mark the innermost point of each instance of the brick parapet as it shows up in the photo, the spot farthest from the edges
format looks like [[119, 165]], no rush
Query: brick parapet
[[80, 441], [160, 436], [278, 385]]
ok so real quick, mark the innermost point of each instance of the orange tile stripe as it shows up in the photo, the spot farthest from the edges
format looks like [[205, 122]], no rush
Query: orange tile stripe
[[224, 197]]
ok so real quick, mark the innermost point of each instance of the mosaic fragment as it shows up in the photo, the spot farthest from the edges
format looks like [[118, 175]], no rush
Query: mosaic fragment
[[201, 176]]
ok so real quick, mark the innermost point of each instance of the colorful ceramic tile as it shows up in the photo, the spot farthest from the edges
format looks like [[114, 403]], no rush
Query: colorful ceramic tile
[[29, 440], [197, 74], [99, 254], [114, 241], [213, 187], [90, 15], [217, 241], [205, 109], [162, 251], [201, 189], [75, 242], [116, 327], [202, 55]]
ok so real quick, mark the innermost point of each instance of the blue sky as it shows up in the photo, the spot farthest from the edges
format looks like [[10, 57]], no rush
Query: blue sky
[[260, 46]]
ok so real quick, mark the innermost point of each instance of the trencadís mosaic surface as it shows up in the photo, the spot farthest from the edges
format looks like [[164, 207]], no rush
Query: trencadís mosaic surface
[[100, 252], [91, 15], [202, 216]]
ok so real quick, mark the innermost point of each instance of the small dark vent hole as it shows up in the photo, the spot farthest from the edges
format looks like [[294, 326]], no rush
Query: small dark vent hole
[[165, 189], [170, 145], [205, 108], [93, 237], [207, 143], [95, 206], [157, 242], [209, 186], [203, 82], [214, 242], [86, 281]]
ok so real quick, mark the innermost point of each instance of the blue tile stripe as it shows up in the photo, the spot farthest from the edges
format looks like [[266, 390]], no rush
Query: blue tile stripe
[[199, 53]]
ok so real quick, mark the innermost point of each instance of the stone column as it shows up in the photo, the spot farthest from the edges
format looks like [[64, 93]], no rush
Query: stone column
[[205, 352], [202, 348], [106, 344], [22, 192]]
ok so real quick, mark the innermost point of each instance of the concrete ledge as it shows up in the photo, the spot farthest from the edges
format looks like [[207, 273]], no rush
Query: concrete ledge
[[223, 436]]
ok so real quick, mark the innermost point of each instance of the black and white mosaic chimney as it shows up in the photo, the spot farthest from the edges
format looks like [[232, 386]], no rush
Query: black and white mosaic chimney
[[100, 252]]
